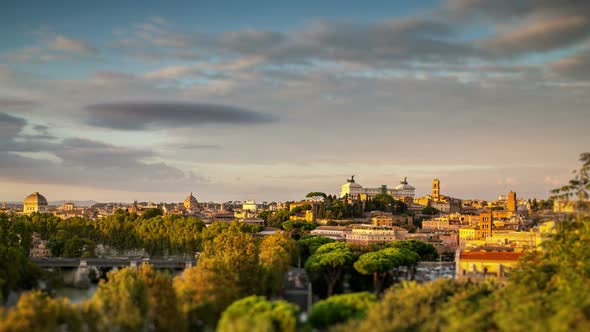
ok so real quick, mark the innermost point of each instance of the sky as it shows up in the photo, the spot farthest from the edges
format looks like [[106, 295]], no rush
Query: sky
[[236, 100]]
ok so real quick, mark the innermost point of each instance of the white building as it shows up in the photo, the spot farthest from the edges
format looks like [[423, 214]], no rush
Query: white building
[[353, 190], [337, 233], [369, 234], [250, 206]]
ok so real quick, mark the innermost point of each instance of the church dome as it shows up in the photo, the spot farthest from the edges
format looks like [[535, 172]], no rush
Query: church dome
[[36, 199], [190, 202]]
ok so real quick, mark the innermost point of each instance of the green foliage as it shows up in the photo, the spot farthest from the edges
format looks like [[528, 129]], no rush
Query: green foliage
[[16, 269], [297, 228], [36, 311], [342, 208], [410, 307], [276, 218], [316, 194], [339, 309], [549, 291], [302, 208], [553, 284], [232, 265], [328, 263], [122, 302], [541, 205], [384, 263], [387, 203], [579, 186], [276, 254], [164, 312], [429, 210], [152, 213], [308, 244], [158, 235], [78, 247], [255, 313], [427, 252]]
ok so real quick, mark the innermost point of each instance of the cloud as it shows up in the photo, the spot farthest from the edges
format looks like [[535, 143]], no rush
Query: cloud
[[197, 146], [542, 35], [385, 42], [251, 41], [389, 41], [507, 10], [575, 67], [142, 115], [15, 104], [10, 126], [552, 181], [131, 176], [509, 181], [524, 26], [63, 43], [50, 46], [81, 161]]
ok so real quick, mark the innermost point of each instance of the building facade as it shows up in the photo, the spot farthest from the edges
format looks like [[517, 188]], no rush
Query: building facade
[[355, 190], [369, 234], [35, 202]]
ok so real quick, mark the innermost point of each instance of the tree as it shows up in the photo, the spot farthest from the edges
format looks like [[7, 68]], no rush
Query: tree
[[78, 247], [255, 313], [308, 244], [228, 270], [276, 254], [16, 269], [426, 251], [378, 264], [579, 186], [121, 303], [429, 211], [385, 202], [328, 262], [295, 228], [164, 311], [152, 213], [339, 309], [409, 307], [36, 311], [316, 194]]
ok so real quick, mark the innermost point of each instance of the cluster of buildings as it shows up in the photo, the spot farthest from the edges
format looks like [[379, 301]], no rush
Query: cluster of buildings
[[246, 212], [486, 237]]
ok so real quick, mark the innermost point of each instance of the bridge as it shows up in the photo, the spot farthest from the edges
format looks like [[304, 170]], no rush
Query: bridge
[[159, 263]]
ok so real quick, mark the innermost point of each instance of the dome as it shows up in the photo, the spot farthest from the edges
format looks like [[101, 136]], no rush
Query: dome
[[190, 202], [403, 185], [36, 199], [351, 185]]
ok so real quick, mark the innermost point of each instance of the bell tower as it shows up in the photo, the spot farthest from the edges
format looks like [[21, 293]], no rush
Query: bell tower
[[512, 202], [435, 189]]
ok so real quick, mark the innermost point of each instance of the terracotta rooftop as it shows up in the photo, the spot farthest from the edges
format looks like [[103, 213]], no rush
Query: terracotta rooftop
[[490, 255], [330, 228]]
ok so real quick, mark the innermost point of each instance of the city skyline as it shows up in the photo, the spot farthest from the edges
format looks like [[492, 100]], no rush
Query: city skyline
[[235, 101]]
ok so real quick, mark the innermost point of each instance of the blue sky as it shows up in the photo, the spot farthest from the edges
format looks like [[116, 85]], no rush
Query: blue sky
[[123, 100]]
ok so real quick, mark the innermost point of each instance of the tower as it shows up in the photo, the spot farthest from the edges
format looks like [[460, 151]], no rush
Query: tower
[[485, 224], [436, 189], [511, 204]]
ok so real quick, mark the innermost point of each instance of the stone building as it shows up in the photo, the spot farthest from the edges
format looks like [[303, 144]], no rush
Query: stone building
[[191, 203], [35, 202]]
